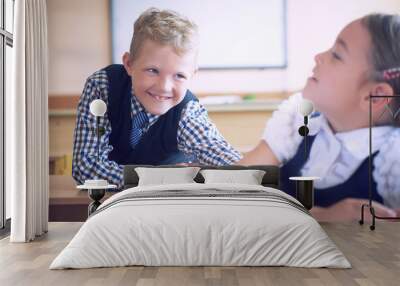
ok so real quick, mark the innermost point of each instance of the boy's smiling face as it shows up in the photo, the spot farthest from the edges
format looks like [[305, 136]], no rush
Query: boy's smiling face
[[160, 77]]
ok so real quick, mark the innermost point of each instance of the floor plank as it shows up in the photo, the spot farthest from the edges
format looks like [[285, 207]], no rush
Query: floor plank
[[374, 255]]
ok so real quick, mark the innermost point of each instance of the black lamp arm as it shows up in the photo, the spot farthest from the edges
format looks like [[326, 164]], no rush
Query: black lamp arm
[[98, 137]]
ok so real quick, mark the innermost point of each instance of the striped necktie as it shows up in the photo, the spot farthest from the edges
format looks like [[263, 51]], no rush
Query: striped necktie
[[139, 122]]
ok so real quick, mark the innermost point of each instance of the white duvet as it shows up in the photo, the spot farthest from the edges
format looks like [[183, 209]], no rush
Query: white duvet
[[207, 230]]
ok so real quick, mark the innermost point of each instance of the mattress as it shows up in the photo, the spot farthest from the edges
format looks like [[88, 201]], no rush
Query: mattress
[[201, 225]]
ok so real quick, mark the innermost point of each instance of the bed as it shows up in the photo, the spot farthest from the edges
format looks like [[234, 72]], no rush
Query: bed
[[201, 224]]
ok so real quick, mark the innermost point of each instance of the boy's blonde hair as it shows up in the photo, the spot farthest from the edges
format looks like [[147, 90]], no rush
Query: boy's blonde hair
[[165, 27]]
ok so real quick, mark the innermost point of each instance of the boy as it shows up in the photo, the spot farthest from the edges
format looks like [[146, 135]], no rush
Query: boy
[[152, 118]]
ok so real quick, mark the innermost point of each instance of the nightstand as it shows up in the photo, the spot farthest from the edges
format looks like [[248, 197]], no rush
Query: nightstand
[[305, 190], [66, 202], [96, 191]]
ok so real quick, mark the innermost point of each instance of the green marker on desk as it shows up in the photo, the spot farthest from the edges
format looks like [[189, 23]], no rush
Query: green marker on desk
[[249, 97]]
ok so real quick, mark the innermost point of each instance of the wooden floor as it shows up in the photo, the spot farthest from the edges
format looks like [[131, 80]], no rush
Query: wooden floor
[[374, 255]]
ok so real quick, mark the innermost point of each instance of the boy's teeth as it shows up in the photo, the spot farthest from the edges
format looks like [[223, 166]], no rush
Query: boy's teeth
[[159, 97]]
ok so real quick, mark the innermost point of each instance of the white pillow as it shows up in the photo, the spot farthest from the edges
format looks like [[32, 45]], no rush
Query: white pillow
[[249, 177], [166, 176]]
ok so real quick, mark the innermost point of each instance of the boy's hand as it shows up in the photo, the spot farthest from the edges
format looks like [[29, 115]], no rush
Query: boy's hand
[[350, 210]]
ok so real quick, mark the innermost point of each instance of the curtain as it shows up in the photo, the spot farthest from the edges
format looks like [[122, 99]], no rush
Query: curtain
[[27, 124]]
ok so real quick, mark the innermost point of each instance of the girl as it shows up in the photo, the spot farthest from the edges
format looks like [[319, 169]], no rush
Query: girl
[[364, 61]]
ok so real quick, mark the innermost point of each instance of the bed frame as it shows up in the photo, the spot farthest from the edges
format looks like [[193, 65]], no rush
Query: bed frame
[[270, 179], [304, 191]]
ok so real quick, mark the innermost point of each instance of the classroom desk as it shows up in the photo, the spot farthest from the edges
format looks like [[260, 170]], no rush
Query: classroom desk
[[66, 202]]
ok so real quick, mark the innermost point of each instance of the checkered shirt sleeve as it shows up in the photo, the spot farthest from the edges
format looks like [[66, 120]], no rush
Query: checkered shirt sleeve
[[198, 136]]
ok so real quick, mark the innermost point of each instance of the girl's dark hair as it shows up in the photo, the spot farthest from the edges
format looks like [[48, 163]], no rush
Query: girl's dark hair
[[384, 30]]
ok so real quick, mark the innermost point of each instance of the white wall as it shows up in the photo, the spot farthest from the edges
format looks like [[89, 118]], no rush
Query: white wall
[[79, 44]]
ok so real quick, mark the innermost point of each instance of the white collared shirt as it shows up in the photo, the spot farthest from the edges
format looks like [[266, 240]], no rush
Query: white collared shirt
[[335, 157]]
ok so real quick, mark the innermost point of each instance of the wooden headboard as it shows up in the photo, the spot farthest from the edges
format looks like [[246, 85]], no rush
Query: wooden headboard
[[270, 179]]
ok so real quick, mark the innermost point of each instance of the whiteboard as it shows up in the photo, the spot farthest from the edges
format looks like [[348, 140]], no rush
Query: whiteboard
[[234, 34]]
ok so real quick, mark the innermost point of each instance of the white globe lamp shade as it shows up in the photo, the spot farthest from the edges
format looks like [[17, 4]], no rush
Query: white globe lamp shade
[[98, 107], [306, 107]]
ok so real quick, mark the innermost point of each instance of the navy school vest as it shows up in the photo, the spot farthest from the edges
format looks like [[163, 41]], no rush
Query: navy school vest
[[355, 187], [158, 146]]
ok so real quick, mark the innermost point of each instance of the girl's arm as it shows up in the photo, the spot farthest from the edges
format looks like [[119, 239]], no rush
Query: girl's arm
[[260, 155], [280, 138]]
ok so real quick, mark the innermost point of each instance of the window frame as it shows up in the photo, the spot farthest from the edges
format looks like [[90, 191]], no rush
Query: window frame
[[6, 39]]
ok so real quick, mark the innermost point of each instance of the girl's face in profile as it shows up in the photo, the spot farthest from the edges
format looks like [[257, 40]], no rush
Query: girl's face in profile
[[339, 82]]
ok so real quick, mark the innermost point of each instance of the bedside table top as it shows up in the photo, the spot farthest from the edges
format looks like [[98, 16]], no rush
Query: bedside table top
[[304, 178], [90, 187], [63, 191]]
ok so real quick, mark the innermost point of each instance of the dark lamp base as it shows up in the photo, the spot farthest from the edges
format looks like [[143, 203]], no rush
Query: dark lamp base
[[96, 195]]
